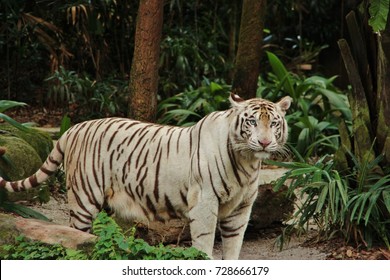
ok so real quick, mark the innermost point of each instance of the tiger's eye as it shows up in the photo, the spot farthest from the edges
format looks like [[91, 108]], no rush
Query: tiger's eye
[[252, 122], [273, 124]]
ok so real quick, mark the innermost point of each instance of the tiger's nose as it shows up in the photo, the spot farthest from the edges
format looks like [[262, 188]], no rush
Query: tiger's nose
[[264, 143]]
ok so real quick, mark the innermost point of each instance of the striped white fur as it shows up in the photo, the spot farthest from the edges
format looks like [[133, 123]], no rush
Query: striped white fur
[[207, 173]]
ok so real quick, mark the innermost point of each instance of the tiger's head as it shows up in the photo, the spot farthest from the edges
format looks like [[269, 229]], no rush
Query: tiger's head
[[260, 126]]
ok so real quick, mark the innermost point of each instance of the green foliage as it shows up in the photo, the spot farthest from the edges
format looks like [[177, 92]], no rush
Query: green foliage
[[357, 205], [379, 11], [188, 107], [65, 86], [112, 244], [317, 108], [33, 250], [8, 104], [194, 44], [89, 98]]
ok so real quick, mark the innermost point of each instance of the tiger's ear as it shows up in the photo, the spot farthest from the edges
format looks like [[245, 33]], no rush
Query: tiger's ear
[[284, 104], [235, 99]]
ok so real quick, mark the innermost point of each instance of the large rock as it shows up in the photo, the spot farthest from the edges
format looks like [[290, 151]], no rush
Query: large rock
[[22, 155], [39, 140], [11, 227], [21, 159]]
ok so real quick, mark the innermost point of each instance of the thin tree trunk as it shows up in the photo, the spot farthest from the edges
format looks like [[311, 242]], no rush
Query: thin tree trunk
[[144, 69], [360, 111], [247, 66], [233, 34], [383, 87]]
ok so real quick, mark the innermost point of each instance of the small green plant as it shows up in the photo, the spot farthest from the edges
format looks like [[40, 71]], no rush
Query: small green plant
[[33, 250], [112, 244], [65, 85]]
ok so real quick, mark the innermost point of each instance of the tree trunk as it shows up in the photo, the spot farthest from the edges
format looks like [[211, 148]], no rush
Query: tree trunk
[[366, 61], [361, 128], [234, 19], [247, 66], [144, 69], [383, 87]]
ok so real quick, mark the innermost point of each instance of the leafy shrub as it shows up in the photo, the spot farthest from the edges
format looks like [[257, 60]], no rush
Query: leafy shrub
[[188, 107], [317, 108], [357, 205], [112, 244], [32, 250], [88, 98], [194, 48]]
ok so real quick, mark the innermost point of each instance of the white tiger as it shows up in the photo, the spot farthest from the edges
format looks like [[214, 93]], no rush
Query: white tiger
[[207, 173]]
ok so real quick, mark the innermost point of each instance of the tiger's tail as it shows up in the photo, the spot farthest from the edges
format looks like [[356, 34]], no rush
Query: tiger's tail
[[48, 168]]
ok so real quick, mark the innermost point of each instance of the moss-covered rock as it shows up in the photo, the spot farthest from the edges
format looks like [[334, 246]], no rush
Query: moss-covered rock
[[39, 140], [20, 160]]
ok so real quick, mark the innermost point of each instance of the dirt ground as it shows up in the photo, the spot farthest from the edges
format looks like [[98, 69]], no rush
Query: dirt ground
[[256, 246]]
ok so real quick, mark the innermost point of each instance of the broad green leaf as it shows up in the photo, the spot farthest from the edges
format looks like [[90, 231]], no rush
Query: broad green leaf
[[386, 199], [23, 211], [302, 171], [215, 87], [372, 204], [303, 140], [14, 123], [8, 104], [379, 10], [337, 101], [282, 74], [342, 190], [182, 112], [364, 198], [65, 124], [322, 198]]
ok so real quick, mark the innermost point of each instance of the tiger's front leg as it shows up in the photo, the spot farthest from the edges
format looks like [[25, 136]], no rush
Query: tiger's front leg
[[233, 228], [203, 224]]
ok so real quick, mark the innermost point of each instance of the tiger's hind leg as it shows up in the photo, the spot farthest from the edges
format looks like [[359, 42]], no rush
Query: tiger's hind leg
[[233, 228], [83, 208]]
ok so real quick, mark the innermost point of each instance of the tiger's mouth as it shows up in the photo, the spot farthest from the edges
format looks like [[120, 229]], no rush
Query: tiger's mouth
[[260, 149], [262, 154]]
